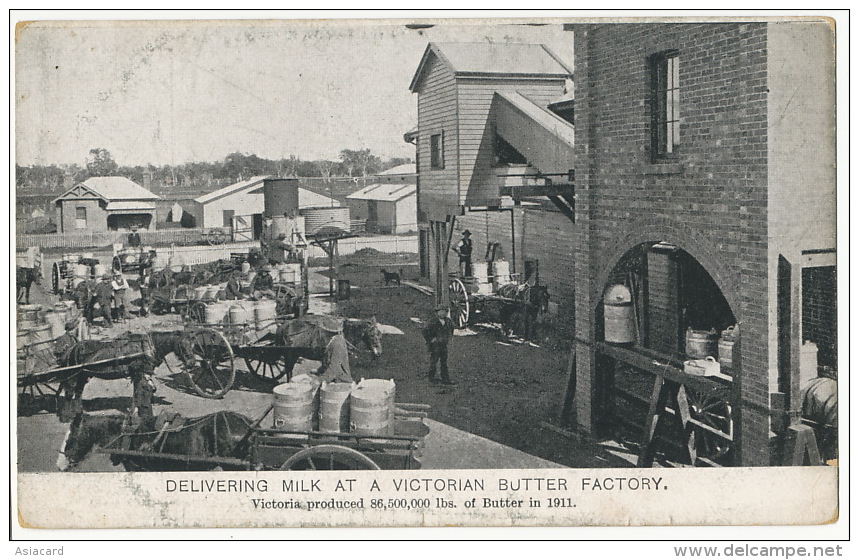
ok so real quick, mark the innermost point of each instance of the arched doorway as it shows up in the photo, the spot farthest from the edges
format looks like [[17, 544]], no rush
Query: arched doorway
[[656, 298]]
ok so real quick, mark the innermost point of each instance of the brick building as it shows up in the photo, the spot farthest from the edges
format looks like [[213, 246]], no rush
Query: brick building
[[713, 143], [704, 185]]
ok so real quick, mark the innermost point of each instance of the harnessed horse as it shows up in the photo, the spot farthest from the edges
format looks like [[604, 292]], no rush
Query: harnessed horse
[[24, 278], [218, 435], [308, 337], [521, 315]]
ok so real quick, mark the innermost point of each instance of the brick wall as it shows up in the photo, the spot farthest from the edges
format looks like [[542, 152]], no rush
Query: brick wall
[[710, 202], [819, 312]]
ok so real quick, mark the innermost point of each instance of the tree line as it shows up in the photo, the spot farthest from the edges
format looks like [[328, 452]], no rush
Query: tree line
[[233, 168]]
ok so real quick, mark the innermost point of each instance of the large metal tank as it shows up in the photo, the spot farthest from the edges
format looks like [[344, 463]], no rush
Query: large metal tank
[[281, 197], [327, 218]]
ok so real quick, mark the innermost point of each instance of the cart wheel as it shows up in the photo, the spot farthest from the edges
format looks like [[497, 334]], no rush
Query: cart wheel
[[208, 362], [329, 458], [270, 371], [117, 263], [197, 312], [216, 237], [459, 308], [55, 278], [714, 426]]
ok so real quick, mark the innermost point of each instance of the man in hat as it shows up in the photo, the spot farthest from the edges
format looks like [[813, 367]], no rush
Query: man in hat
[[262, 285], [464, 250], [120, 296], [233, 289], [146, 266], [103, 297], [437, 334], [134, 238], [335, 361]]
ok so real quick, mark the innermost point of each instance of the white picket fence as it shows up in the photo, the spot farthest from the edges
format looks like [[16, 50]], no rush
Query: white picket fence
[[94, 239]]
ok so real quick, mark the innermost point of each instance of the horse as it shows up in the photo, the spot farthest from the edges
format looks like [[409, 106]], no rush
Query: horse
[[521, 314], [152, 349], [309, 339], [25, 276], [222, 434]]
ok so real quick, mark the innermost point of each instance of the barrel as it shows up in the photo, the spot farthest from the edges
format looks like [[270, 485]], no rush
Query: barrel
[[726, 352], [334, 407], [200, 292], [619, 321], [99, 270], [372, 407], [212, 292], [71, 258], [293, 407], [700, 344], [215, 313], [239, 314], [480, 270], [40, 333], [501, 272], [819, 398], [265, 312], [80, 271], [175, 263], [56, 320], [88, 256]]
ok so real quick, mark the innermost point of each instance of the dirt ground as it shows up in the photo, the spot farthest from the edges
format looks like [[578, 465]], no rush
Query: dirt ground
[[504, 393]]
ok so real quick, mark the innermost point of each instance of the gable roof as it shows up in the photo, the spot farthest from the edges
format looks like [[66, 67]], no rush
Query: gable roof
[[384, 193], [405, 169], [230, 189], [112, 188], [310, 199], [493, 59]]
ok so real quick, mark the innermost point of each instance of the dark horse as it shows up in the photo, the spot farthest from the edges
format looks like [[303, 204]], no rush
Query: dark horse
[[24, 278], [203, 440], [521, 315], [309, 339], [149, 351]]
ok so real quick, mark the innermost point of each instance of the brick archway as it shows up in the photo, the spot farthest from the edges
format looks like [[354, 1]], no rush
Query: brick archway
[[698, 246]]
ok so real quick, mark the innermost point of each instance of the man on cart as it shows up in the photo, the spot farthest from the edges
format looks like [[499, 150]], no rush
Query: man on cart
[[335, 361], [262, 286]]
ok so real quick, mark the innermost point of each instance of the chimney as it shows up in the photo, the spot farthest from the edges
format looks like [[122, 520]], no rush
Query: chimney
[[147, 180], [68, 180]]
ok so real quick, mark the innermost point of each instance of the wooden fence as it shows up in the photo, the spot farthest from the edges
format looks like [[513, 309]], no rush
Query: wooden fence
[[95, 239]]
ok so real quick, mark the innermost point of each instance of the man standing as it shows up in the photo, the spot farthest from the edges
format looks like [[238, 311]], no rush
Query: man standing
[[146, 266], [437, 334], [335, 361], [103, 298], [134, 238], [464, 250], [120, 296]]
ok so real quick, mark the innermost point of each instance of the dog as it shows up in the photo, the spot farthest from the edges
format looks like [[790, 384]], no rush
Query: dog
[[395, 277]]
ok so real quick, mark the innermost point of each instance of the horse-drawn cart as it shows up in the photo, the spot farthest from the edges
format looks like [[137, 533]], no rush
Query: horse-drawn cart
[[232, 442], [209, 352]]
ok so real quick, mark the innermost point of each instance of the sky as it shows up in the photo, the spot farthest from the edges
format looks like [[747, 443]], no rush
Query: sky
[[170, 92]]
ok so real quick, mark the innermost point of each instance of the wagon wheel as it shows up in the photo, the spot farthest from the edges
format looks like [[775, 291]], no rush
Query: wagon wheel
[[329, 458], [55, 277], [208, 362], [271, 369], [216, 236], [714, 426], [459, 307], [196, 312], [33, 394], [116, 263]]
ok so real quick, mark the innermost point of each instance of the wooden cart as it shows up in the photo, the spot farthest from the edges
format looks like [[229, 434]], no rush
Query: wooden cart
[[274, 449]]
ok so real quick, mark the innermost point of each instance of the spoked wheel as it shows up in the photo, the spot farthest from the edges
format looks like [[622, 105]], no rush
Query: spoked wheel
[[713, 426], [117, 263], [216, 237], [208, 362], [271, 369], [329, 458], [55, 278], [38, 396], [459, 307]]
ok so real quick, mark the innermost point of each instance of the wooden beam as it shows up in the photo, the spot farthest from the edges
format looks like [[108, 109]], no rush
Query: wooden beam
[[566, 209], [523, 191]]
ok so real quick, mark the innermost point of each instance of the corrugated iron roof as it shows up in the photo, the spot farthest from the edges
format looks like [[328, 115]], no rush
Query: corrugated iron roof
[[310, 199], [405, 169], [119, 188], [230, 189], [511, 59], [383, 193]]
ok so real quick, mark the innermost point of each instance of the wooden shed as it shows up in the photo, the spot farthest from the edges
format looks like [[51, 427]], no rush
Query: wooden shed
[[106, 203]]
